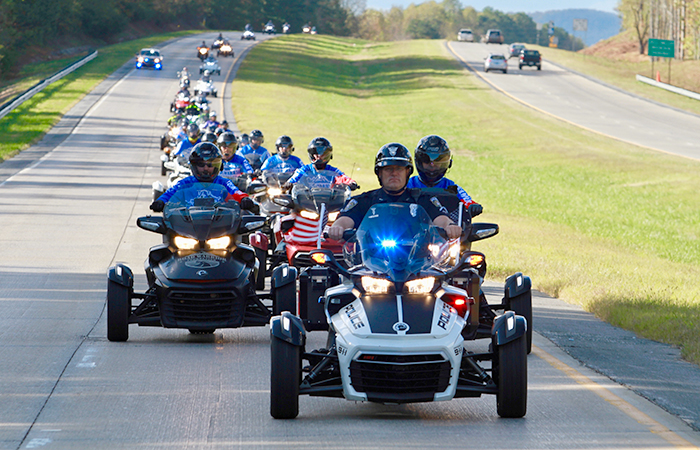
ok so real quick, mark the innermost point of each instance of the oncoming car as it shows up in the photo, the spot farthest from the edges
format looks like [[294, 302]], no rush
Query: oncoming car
[[465, 35], [496, 61], [149, 57], [515, 49]]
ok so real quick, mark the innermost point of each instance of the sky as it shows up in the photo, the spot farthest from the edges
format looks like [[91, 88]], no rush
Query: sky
[[511, 5]]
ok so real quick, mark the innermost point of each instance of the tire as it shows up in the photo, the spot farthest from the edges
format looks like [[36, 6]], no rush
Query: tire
[[520, 67], [511, 399], [505, 71], [261, 256], [118, 310], [522, 306], [285, 377], [163, 170], [285, 299], [539, 67], [486, 70]]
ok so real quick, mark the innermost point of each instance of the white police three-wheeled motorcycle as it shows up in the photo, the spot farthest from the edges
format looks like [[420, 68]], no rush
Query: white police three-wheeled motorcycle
[[394, 336]]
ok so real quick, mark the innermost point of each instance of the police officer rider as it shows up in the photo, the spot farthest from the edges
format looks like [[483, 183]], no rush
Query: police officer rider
[[393, 166]]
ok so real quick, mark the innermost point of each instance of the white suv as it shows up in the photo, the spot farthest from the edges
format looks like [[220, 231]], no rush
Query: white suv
[[465, 35]]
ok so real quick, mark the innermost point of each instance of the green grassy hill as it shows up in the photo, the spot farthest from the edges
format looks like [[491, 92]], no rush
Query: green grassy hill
[[622, 243]]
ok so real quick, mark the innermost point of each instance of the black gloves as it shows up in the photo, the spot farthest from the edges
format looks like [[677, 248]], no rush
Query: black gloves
[[250, 205], [354, 186], [157, 206], [475, 209]]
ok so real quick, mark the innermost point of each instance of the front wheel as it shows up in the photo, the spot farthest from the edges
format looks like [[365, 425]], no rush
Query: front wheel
[[285, 377], [539, 67], [118, 310], [511, 399], [163, 170]]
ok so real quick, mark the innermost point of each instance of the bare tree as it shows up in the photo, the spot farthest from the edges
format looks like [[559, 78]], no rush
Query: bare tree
[[635, 15]]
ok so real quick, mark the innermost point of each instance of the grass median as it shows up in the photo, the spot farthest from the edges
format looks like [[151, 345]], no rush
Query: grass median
[[593, 221], [30, 121]]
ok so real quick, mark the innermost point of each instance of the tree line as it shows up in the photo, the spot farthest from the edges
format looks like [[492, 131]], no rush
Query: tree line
[[439, 20], [26, 25], [29, 24], [674, 20]]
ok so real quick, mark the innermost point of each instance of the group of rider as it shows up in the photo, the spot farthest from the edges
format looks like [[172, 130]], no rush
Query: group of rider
[[217, 162]]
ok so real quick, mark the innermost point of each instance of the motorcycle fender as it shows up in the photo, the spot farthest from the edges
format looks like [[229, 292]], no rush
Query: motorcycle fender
[[259, 240], [283, 275], [517, 284], [288, 328], [121, 274], [508, 327]]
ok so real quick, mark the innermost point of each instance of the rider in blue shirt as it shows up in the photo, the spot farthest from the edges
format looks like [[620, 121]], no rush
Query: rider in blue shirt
[[320, 153], [233, 165], [205, 162], [285, 147], [433, 158], [255, 147], [211, 124], [185, 146]]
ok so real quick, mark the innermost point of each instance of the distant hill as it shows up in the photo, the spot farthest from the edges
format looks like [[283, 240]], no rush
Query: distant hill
[[601, 25]]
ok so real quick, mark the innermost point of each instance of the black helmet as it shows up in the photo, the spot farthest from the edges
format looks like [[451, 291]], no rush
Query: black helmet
[[193, 132], [209, 136], [257, 134], [433, 158], [285, 142], [243, 140], [227, 138], [321, 148], [205, 154], [393, 154]]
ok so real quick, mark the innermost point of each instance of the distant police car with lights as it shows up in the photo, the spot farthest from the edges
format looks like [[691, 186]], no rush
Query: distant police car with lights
[[149, 57]]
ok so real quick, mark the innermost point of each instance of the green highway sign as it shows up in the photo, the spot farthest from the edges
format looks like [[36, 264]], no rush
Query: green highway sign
[[662, 47]]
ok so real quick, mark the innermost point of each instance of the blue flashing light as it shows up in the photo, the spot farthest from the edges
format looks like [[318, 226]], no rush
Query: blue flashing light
[[388, 243], [158, 66], [138, 65]]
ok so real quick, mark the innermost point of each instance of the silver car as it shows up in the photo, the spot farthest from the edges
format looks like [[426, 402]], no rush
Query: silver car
[[210, 64], [496, 61], [465, 35]]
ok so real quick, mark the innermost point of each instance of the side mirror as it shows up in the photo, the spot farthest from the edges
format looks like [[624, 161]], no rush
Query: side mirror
[[325, 257], [283, 200], [256, 189], [152, 223], [251, 223], [481, 231]]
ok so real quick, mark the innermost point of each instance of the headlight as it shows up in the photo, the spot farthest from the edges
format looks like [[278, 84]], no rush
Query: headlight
[[157, 60], [309, 215], [220, 243], [273, 192], [140, 59], [421, 285], [373, 285], [185, 243], [454, 250], [475, 260], [332, 216]]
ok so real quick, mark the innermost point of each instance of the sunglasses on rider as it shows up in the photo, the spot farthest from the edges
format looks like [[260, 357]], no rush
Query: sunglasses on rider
[[203, 164]]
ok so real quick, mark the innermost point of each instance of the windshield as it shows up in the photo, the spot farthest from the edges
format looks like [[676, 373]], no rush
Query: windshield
[[321, 187], [201, 211], [396, 239], [277, 175]]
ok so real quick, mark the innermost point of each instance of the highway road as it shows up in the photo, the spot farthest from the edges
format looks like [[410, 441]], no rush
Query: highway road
[[588, 103], [68, 208]]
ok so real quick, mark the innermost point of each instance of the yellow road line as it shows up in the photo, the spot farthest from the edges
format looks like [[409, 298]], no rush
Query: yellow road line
[[522, 102], [655, 427]]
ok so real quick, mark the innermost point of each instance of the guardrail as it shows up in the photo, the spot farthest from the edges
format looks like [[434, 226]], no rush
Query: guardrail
[[668, 87], [9, 106]]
